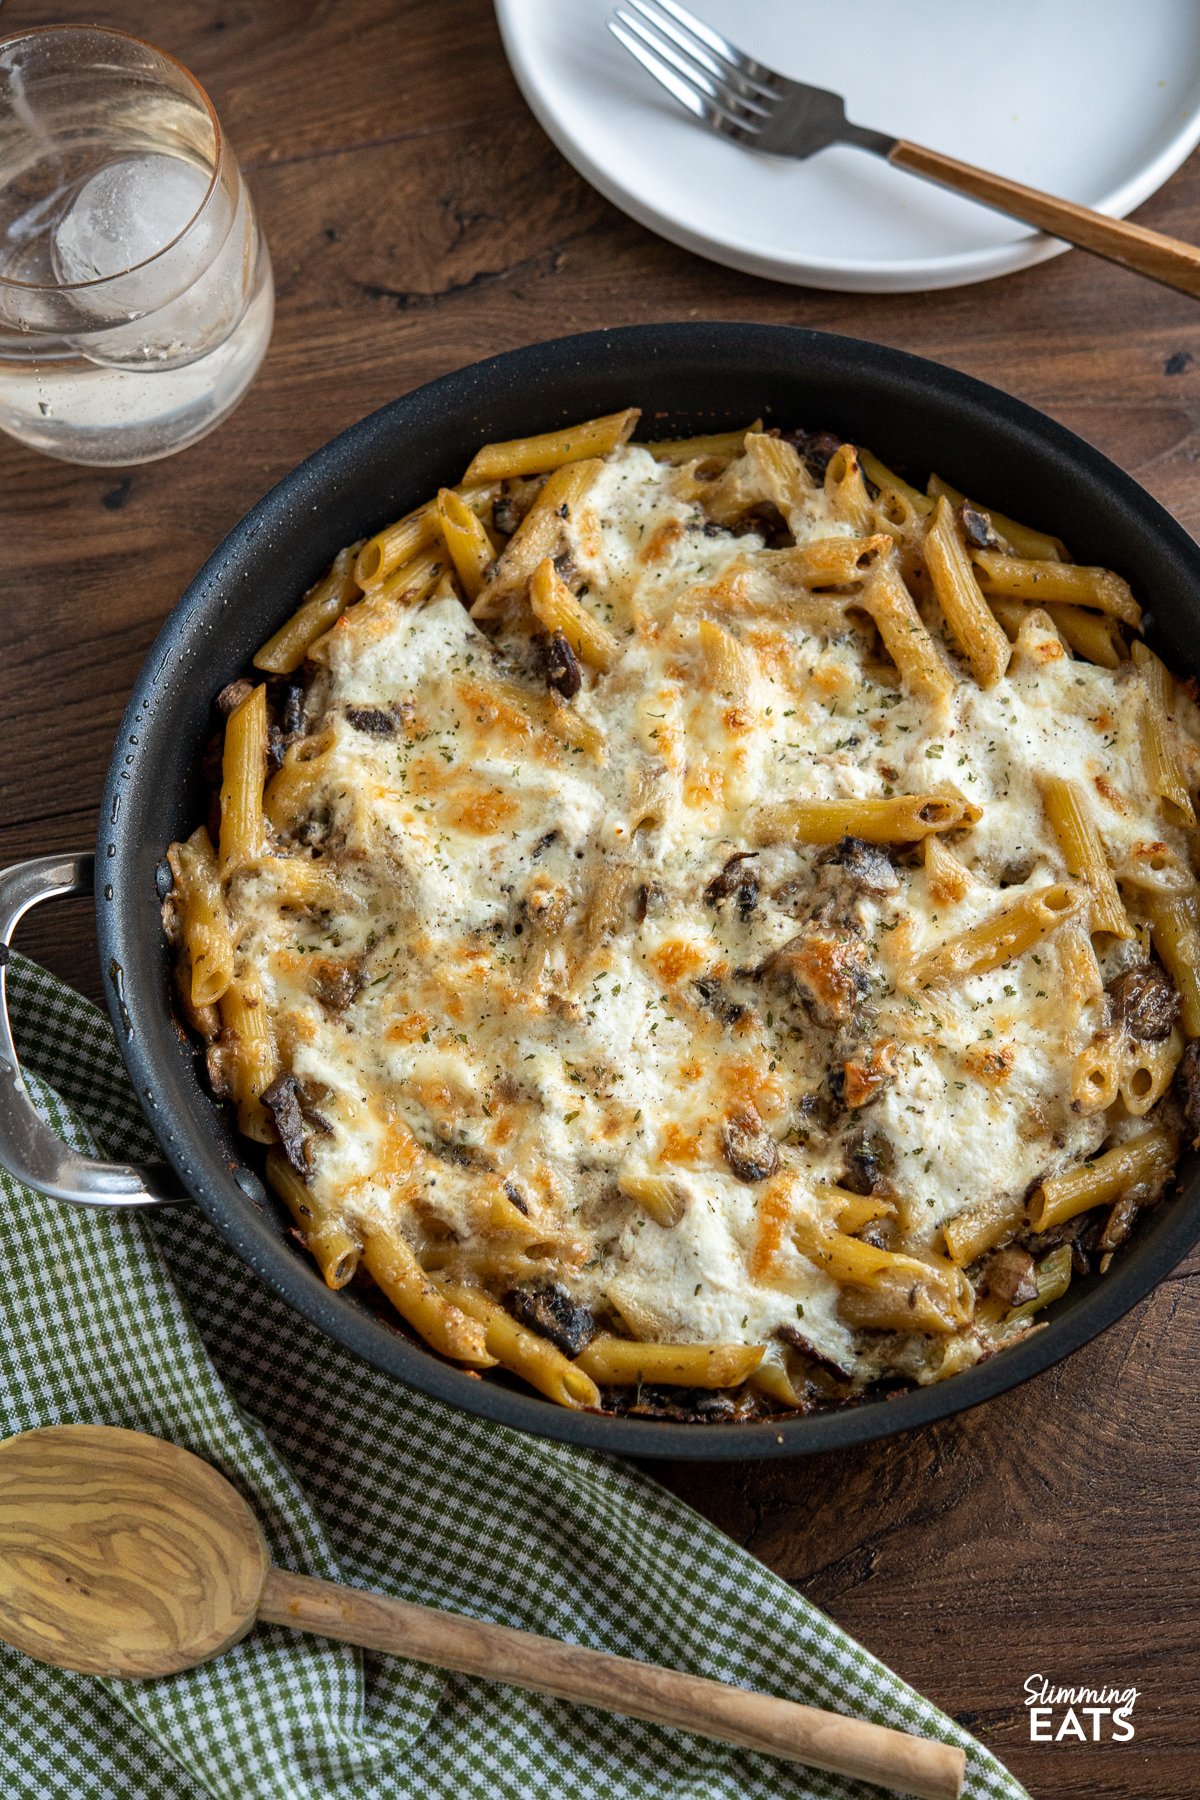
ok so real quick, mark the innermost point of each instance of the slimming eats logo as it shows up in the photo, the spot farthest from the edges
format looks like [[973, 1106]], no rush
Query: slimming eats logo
[[1058, 1714]]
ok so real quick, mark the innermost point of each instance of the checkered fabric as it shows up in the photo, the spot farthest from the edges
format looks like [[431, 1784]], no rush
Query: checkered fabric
[[151, 1322]]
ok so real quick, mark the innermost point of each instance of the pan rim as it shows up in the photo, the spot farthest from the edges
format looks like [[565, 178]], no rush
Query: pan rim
[[241, 1214]]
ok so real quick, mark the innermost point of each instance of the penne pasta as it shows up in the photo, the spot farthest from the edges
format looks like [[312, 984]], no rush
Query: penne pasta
[[655, 1194], [294, 788], [1096, 637], [1147, 1071], [322, 607], [1174, 920], [1164, 770], [858, 1264], [890, 605], [523, 1352], [971, 1233], [904, 819], [830, 562], [780, 476], [326, 1238], [845, 489], [1039, 582], [203, 918], [469, 545], [1140, 1161], [1010, 615], [948, 878], [394, 1268], [250, 1056], [603, 911], [727, 669], [623, 1362], [555, 607], [1036, 546], [901, 1300], [718, 446], [395, 545], [972, 626], [553, 449], [850, 1212], [525, 712], [772, 1380], [888, 482], [537, 536], [1096, 1076], [1074, 827], [1006, 934], [243, 771]]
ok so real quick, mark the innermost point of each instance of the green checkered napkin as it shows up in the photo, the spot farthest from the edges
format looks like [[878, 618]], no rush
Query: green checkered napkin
[[151, 1322]]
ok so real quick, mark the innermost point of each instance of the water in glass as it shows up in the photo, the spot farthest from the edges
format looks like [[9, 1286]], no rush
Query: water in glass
[[136, 298]]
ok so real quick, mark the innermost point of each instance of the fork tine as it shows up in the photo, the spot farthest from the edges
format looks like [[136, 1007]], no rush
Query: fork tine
[[751, 93], [719, 99], [680, 90], [737, 59]]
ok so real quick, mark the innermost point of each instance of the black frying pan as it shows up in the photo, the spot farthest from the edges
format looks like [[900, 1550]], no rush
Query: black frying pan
[[915, 414]]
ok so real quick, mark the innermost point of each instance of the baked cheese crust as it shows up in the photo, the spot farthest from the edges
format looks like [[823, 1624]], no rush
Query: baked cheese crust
[[571, 991]]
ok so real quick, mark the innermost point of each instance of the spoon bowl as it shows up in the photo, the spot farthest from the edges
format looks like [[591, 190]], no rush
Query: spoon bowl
[[121, 1554]]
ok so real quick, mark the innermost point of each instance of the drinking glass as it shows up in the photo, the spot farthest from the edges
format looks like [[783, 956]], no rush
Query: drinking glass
[[136, 298]]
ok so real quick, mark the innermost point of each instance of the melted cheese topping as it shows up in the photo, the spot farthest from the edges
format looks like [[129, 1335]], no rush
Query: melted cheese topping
[[544, 964]]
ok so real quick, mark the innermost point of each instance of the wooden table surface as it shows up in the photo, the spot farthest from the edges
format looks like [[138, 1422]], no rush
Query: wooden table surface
[[419, 219]]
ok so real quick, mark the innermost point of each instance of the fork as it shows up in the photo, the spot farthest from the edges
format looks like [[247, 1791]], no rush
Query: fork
[[760, 109]]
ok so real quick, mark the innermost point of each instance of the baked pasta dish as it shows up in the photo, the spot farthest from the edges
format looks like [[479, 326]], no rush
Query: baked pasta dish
[[704, 926]]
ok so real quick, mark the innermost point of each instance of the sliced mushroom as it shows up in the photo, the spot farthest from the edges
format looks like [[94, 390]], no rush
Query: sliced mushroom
[[977, 527], [335, 984], [827, 969], [824, 1359], [690, 1406], [506, 515], [1145, 1002], [735, 880], [816, 448], [714, 998], [232, 695], [1012, 1277], [550, 1311], [282, 1102], [750, 1150], [867, 864], [372, 720], [869, 1162], [563, 672]]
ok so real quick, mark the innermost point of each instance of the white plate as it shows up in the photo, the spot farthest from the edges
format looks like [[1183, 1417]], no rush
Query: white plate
[[1096, 100]]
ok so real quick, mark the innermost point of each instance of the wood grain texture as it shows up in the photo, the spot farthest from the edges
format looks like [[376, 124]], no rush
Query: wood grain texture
[[1132, 246], [418, 219], [121, 1554], [639, 1690]]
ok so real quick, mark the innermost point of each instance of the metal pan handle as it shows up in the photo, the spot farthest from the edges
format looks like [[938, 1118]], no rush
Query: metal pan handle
[[29, 1149]]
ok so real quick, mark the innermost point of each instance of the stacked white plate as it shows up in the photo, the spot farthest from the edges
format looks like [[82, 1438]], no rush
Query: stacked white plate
[[1095, 100]]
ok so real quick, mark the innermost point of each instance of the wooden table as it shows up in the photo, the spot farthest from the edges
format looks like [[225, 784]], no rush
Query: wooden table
[[419, 219]]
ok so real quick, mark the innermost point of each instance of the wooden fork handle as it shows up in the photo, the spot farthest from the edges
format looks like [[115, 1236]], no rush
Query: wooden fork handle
[[1164, 259], [866, 1752]]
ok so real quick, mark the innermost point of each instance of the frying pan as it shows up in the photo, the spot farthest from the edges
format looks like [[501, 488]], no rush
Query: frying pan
[[687, 378]]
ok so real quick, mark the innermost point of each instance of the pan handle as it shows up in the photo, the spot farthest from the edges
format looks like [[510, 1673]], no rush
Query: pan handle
[[29, 1149]]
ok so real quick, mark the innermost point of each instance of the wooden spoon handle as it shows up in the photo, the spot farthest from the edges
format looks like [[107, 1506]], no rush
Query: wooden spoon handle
[[1168, 260], [890, 1759]]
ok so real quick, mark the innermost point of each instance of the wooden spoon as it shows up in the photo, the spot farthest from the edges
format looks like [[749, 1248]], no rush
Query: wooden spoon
[[124, 1555]]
